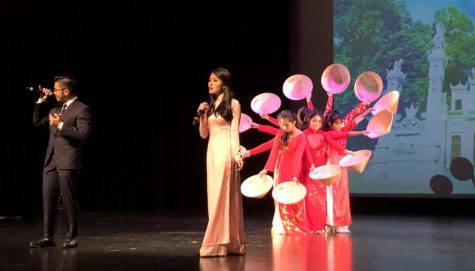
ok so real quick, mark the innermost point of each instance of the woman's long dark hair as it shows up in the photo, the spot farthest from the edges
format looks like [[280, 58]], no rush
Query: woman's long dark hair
[[290, 116], [330, 118], [224, 108], [304, 115]]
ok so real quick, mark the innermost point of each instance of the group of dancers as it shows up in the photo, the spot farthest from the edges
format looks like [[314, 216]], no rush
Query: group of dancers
[[302, 142]]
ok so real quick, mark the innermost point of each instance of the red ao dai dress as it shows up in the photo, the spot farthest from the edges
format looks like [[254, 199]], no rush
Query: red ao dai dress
[[287, 162], [338, 202]]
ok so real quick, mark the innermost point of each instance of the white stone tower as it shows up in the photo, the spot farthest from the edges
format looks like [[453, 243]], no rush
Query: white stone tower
[[460, 140], [433, 134]]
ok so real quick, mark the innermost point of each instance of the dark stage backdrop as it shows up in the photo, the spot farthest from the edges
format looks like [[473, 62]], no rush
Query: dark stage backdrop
[[143, 70]]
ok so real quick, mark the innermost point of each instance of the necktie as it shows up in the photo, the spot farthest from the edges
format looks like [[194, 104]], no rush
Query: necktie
[[62, 109]]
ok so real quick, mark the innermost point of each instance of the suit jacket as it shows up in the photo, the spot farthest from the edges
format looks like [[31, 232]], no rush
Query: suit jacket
[[66, 144]]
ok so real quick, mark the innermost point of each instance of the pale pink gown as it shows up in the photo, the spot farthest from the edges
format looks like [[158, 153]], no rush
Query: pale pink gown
[[225, 231]]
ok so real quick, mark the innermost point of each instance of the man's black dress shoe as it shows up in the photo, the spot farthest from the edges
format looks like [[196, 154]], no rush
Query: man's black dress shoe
[[43, 242], [70, 243]]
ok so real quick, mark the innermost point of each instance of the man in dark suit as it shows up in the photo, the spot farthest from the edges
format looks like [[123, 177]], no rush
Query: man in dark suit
[[69, 128]]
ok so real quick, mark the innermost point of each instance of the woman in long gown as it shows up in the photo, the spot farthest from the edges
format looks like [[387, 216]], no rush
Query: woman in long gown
[[338, 195], [220, 124], [285, 160], [315, 200]]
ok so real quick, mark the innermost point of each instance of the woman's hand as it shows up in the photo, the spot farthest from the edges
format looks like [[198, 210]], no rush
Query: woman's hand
[[203, 107], [367, 111], [309, 97], [202, 117], [264, 116], [240, 163], [262, 173], [254, 125], [295, 179], [348, 152]]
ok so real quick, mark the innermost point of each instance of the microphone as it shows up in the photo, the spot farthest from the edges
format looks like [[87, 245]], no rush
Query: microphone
[[38, 89], [200, 113]]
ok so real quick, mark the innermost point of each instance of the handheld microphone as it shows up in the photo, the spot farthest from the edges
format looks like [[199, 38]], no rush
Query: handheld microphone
[[38, 89], [200, 113]]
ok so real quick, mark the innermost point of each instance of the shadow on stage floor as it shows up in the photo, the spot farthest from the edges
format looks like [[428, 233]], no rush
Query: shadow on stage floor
[[137, 241]]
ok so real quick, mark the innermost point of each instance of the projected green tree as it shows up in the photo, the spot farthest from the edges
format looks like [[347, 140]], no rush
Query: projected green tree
[[371, 35], [460, 45]]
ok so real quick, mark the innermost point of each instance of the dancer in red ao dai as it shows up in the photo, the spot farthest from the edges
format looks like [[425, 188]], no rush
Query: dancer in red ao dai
[[315, 200], [338, 199], [285, 160]]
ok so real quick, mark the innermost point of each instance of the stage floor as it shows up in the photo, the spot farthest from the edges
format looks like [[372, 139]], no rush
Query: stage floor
[[137, 241]]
